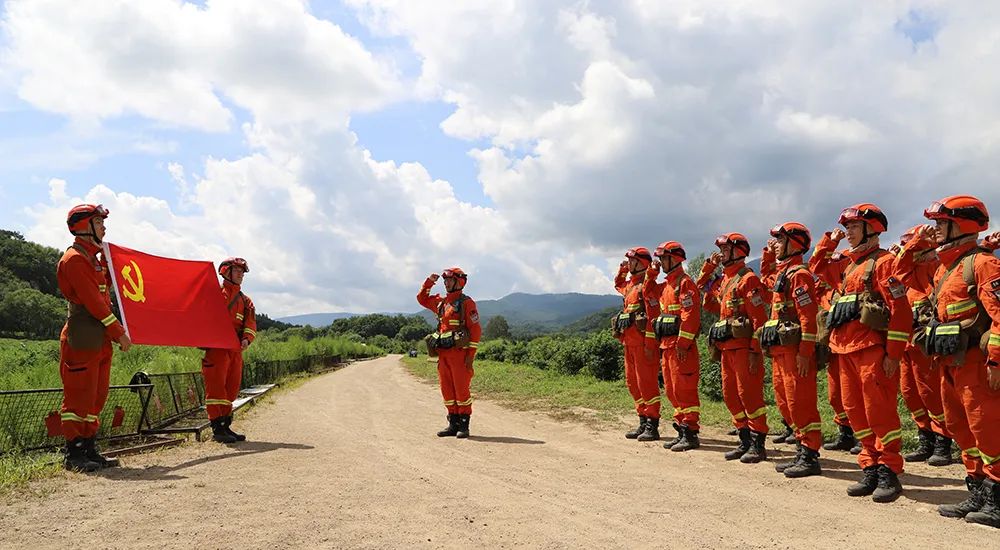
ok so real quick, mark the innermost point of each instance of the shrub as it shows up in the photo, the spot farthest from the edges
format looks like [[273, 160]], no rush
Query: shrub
[[603, 354]]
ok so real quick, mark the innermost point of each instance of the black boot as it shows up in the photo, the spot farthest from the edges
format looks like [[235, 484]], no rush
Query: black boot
[[784, 436], [743, 447], [925, 447], [452, 428], [689, 440], [676, 440], [867, 484], [967, 506], [95, 456], [652, 431], [757, 452], [463, 426], [228, 421], [638, 429], [942, 451], [219, 432], [888, 488], [989, 514], [844, 442], [733, 431], [857, 448], [76, 457], [782, 466], [807, 466]]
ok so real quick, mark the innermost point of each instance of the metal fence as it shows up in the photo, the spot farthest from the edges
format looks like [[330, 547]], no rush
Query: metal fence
[[29, 419]]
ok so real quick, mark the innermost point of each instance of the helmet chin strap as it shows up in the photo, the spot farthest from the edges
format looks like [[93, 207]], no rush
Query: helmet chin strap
[[957, 239]]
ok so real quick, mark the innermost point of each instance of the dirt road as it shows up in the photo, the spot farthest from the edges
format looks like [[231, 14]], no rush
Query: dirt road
[[349, 460]]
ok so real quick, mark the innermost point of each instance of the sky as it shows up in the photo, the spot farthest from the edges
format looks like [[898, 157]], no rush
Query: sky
[[349, 148]]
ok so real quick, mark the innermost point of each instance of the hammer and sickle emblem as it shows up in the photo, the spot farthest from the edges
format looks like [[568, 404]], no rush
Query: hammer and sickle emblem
[[133, 288]]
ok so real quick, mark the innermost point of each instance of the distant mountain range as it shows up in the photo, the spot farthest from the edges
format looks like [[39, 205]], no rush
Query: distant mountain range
[[544, 310]]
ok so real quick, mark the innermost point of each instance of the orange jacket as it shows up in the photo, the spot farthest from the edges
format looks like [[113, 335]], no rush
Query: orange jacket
[[918, 276], [798, 294], [729, 299], [447, 312], [854, 336], [635, 302], [84, 279], [676, 295], [241, 310], [954, 302]]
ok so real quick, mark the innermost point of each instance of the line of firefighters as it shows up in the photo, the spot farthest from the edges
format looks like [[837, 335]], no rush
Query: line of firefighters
[[91, 329], [923, 317]]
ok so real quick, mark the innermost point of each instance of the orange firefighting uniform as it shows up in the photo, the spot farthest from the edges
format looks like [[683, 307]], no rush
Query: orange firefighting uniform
[[869, 394], [796, 393], [971, 408], [678, 295], [453, 375], [223, 368], [919, 381], [742, 390], [824, 294], [83, 278], [641, 347], [768, 274]]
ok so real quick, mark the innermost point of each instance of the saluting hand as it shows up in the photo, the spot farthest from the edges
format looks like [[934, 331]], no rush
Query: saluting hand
[[434, 277], [715, 258], [992, 242], [838, 235]]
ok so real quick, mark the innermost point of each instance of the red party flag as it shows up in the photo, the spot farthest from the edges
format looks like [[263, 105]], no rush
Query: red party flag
[[169, 302]]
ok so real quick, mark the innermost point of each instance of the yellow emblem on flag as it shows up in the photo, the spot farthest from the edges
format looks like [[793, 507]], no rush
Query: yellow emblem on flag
[[133, 288]]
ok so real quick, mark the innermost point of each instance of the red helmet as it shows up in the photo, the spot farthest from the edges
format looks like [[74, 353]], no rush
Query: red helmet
[[737, 240], [924, 244], [78, 218], [229, 263], [795, 231], [868, 213], [640, 253], [965, 211], [457, 274], [670, 248]]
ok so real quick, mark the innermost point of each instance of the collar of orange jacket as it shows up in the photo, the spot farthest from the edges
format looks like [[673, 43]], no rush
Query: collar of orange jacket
[[791, 261], [90, 247], [733, 268], [675, 275], [858, 255], [948, 255], [229, 285]]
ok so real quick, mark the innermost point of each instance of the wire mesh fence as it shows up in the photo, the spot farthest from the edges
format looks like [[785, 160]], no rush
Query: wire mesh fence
[[30, 419]]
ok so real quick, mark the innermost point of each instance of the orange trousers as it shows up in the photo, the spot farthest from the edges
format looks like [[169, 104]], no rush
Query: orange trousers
[[680, 383], [641, 370], [743, 391], [455, 379], [86, 375], [833, 392], [778, 383], [972, 411], [801, 396], [870, 399], [223, 373], [921, 388]]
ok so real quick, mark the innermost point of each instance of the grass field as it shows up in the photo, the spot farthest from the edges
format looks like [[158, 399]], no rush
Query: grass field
[[585, 398]]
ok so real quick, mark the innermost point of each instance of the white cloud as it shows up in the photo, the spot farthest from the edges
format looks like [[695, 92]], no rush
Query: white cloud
[[608, 124]]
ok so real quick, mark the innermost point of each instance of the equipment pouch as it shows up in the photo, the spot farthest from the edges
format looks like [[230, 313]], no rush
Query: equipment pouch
[[822, 329], [720, 332], [946, 339], [846, 309], [874, 313], [83, 330], [431, 341], [789, 333], [640, 321], [741, 327], [665, 326]]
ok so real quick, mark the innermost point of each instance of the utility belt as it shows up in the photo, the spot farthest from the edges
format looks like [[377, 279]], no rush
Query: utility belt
[[864, 307], [83, 330], [666, 326], [778, 332], [623, 321], [446, 340], [923, 316], [728, 329], [955, 338]]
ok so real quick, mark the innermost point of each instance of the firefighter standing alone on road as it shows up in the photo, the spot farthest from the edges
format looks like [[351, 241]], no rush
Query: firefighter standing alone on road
[[454, 344], [223, 368], [85, 344]]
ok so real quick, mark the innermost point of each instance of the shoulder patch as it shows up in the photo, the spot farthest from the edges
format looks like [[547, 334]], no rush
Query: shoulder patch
[[896, 288], [995, 285], [687, 300], [755, 297], [802, 297], [474, 316]]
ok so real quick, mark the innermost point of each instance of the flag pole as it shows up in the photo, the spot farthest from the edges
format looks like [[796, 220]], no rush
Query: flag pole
[[114, 283]]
